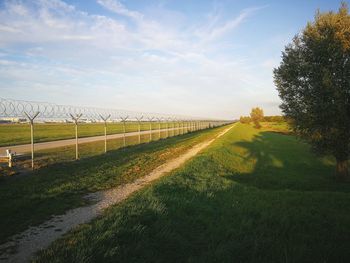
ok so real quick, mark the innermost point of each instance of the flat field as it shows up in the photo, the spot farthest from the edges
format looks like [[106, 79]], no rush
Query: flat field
[[252, 196], [14, 134]]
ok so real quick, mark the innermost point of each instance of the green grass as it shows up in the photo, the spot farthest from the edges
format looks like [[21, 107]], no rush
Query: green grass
[[14, 134], [282, 127], [67, 153], [31, 199], [252, 196]]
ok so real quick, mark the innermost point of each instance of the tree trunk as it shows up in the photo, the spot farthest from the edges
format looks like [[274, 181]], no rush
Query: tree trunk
[[257, 125], [342, 172]]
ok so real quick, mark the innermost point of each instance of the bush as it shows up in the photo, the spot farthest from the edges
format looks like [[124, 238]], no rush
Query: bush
[[245, 119]]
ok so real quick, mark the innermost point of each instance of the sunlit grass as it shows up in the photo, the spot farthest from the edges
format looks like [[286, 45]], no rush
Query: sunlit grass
[[67, 153], [14, 134], [252, 196], [30, 199]]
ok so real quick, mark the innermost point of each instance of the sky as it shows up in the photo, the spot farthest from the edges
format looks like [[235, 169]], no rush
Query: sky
[[197, 58]]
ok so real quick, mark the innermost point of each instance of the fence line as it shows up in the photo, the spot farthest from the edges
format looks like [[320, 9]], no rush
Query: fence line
[[32, 111], [21, 108]]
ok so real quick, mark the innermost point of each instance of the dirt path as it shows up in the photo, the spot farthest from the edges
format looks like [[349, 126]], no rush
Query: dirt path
[[26, 244]]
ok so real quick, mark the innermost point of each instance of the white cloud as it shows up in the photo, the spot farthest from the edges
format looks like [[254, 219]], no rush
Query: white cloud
[[116, 7], [147, 66], [9, 29], [214, 30], [228, 26]]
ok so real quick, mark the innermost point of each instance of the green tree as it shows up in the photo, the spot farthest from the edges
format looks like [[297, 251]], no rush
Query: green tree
[[274, 118], [313, 81], [245, 119], [257, 115]]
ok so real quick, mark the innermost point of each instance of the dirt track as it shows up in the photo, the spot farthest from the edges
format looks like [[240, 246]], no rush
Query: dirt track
[[34, 239]]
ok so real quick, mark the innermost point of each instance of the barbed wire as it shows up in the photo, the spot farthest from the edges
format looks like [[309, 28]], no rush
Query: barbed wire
[[10, 108]]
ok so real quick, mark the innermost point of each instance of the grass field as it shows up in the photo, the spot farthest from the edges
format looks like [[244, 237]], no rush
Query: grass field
[[252, 196], [67, 153], [14, 134], [31, 199]]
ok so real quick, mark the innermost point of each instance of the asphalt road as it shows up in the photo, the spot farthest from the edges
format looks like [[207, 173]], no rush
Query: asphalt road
[[26, 148]]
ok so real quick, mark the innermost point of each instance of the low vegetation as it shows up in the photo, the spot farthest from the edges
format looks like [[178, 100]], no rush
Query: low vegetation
[[252, 196], [273, 118], [245, 119], [31, 199]]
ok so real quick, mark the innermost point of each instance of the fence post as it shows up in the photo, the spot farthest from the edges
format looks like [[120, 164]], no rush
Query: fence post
[[167, 127], [124, 129], [139, 122], [76, 119], [159, 132], [174, 127], [105, 129], [150, 128], [31, 120], [10, 157]]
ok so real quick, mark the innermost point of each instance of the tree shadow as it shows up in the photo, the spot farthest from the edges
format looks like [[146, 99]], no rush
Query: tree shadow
[[282, 162], [206, 212], [197, 216]]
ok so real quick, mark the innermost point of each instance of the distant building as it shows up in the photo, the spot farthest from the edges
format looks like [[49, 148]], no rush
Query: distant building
[[12, 120]]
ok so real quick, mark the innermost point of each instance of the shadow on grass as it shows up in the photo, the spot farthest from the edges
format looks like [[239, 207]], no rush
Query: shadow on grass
[[197, 215], [31, 199], [286, 209], [284, 163]]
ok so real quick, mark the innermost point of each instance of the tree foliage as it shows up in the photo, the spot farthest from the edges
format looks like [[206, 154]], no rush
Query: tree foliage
[[275, 118], [257, 115], [245, 119], [313, 81]]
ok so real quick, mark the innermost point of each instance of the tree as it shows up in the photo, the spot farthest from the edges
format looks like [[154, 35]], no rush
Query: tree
[[257, 115], [274, 118], [245, 119], [313, 81]]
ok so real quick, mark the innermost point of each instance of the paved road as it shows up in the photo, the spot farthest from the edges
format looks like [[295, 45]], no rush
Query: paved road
[[25, 148]]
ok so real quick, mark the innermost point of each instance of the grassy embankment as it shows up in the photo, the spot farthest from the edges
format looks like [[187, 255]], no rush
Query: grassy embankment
[[14, 134], [253, 196], [31, 199]]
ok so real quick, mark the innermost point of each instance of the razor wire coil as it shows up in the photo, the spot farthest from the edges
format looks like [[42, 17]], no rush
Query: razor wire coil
[[10, 108]]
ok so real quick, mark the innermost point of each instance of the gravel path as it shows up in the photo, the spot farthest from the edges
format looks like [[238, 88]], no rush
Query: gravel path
[[25, 245]]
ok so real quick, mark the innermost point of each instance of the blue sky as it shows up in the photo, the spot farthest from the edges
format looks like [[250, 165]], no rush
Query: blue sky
[[198, 58]]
